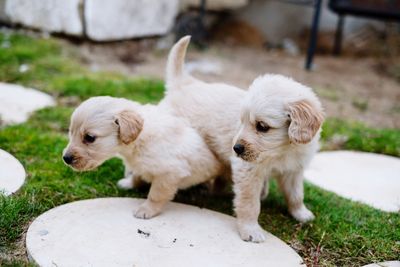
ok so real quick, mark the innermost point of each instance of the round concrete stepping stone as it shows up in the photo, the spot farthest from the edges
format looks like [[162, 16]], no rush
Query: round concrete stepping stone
[[385, 264], [104, 232], [17, 102], [370, 178], [12, 175]]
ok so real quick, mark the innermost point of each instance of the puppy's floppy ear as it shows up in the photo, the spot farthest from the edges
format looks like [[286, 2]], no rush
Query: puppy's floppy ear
[[130, 125], [306, 119]]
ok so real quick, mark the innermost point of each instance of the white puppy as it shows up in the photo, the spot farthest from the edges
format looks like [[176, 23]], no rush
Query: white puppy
[[273, 129], [155, 146]]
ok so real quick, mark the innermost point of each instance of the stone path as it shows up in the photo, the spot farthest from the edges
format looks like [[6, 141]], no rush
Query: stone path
[[104, 232], [370, 178], [385, 264], [12, 175], [17, 102]]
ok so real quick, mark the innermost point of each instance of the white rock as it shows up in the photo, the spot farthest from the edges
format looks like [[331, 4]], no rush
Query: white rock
[[48, 15], [121, 19], [204, 66], [3, 15], [23, 68], [385, 264], [12, 175], [17, 102], [215, 4], [103, 232], [370, 178]]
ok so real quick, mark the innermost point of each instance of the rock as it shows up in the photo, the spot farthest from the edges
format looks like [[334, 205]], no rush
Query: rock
[[17, 102], [385, 264], [12, 175], [122, 19], [47, 15], [215, 5], [204, 66], [104, 232], [370, 178], [3, 15]]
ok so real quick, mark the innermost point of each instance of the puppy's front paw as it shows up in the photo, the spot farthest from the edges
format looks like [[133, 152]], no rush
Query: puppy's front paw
[[302, 214], [125, 183], [146, 211], [251, 233]]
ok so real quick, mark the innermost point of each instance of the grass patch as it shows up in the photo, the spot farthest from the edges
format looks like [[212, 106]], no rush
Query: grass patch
[[344, 233], [339, 134], [52, 71]]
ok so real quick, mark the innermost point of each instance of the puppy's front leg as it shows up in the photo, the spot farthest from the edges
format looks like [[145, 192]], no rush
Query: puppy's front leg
[[291, 184], [248, 184], [162, 191]]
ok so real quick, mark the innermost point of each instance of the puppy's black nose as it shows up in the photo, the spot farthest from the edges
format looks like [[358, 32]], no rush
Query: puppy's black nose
[[68, 158], [239, 149]]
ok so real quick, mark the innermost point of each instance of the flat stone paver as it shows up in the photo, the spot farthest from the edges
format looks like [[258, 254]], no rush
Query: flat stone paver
[[124, 19], [370, 178], [385, 264], [104, 232], [17, 102], [12, 173]]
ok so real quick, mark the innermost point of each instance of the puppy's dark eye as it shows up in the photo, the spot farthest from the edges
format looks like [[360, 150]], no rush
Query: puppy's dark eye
[[89, 138], [262, 127]]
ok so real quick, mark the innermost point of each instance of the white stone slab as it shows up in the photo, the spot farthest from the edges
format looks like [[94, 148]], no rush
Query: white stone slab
[[17, 102], [104, 232], [3, 15], [48, 15], [385, 264], [12, 174], [373, 179], [121, 19]]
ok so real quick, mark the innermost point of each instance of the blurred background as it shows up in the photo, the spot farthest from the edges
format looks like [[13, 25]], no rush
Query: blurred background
[[352, 46], [56, 53]]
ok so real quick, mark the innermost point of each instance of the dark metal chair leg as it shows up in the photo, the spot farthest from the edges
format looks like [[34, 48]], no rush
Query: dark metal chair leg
[[203, 4], [314, 34], [337, 48]]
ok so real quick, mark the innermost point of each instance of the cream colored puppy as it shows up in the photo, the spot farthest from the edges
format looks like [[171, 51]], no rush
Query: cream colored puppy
[[270, 130], [155, 146]]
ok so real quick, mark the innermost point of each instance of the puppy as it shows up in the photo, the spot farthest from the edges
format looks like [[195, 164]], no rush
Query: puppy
[[155, 146], [270, 130]]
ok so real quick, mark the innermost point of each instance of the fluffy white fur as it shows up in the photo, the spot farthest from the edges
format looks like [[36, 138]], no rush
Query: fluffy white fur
[[155, 146], [225, 116]]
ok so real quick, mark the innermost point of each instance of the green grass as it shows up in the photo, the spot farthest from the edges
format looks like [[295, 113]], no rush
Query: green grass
[[344, 233], [339, 134]]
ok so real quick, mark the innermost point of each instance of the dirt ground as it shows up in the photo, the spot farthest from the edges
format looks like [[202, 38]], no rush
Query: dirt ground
[[350, 88]]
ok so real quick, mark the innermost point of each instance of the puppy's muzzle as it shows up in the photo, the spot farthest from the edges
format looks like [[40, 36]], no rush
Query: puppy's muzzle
[[239, 149], [68, 159]]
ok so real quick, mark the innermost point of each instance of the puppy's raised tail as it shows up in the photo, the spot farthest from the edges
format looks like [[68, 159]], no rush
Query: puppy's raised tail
[[175, 73]]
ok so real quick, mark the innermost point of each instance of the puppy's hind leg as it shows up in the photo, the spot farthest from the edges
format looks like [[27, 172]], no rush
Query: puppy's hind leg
[[162, 191], [130, 180], [291, 184]]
